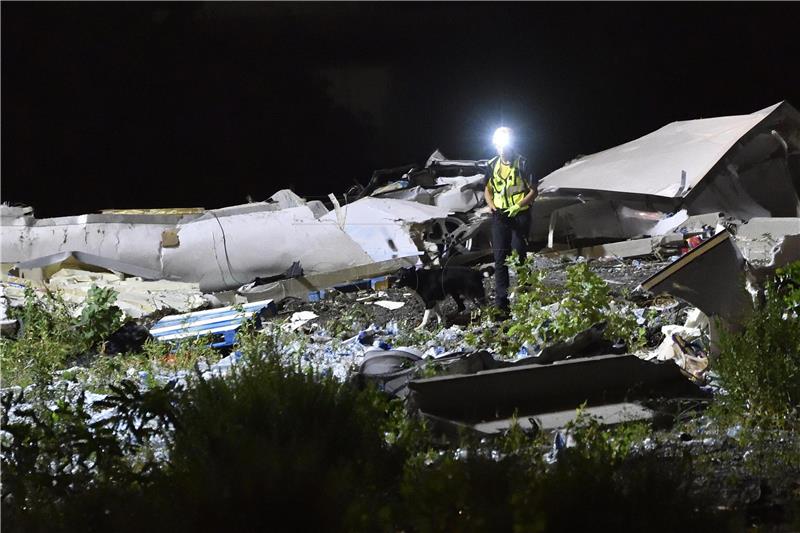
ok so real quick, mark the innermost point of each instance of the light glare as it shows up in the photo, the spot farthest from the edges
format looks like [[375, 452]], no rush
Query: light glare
[[502, 137]]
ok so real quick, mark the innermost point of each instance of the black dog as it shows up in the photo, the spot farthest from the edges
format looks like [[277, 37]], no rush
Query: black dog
[[435, 284]]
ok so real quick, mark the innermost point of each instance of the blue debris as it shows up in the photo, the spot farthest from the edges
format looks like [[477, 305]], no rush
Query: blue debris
[[222, 323], [316, 296]]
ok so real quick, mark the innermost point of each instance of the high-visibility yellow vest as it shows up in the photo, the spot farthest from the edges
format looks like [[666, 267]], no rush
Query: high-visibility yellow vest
[[508, 186]]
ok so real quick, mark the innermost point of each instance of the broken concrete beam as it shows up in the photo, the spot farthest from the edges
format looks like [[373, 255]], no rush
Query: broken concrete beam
[[536, 389], [624, 249], [695, 223], [301, 287], [758, 238], [133, 240], [711, 277], [610, 414]]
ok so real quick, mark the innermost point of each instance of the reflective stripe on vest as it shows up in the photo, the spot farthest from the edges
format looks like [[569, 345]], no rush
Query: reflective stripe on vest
[[509, 190]]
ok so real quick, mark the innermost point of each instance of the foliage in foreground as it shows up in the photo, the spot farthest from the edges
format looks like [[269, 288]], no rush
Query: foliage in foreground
[[274, 448], [54, 336], [759, 367]]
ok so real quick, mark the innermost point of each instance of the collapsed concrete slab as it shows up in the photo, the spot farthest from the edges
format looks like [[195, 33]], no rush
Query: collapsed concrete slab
[[535, 389], [723, 274], [224, 248], [134, 240], [743, 166], [711, 277]]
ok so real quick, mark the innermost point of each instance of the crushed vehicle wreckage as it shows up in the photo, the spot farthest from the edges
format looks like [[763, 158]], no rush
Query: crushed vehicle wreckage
[[701, 210]]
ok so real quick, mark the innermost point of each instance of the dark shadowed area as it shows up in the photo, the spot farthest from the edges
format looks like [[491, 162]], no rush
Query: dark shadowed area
[[126, 105]]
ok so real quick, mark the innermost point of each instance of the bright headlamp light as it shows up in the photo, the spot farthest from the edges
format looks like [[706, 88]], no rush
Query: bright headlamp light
[[502, 138]]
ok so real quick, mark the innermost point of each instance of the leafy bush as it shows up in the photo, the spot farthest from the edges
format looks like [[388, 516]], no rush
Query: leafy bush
[[598, 485], [61, 465], [759, 366], [273, 448], [51, 336], [541, 314], [99, 317]]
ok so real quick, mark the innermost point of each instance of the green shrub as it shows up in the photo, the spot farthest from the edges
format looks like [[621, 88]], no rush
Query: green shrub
[[597, 485], [51, 336], [272, 448], [584, 300], [99, 317], [60, 465], [270, 440], [759, 366]]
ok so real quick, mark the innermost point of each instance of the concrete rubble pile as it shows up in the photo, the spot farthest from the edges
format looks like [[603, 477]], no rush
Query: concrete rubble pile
[[692, 218]]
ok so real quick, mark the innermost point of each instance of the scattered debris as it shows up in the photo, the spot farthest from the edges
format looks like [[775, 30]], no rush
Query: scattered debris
[[135, 297], [686, 345]]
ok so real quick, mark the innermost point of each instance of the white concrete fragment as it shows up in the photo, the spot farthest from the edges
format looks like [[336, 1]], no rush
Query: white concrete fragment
[[390, 305], [761, 239], [298, 320], [464, 193], [381, 226], [135, 297]]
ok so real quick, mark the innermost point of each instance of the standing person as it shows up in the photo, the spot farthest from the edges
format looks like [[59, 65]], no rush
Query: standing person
[[510, 191]]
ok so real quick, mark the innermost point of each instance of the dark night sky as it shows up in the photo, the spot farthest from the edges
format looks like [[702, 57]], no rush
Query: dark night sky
[[135, 104]]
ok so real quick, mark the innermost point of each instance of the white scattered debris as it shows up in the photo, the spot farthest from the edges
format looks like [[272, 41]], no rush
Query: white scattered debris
[[298, 320], [684, 344], [390, 305]]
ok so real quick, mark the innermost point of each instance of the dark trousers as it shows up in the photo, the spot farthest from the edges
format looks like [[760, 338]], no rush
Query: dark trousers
[[508, 234]]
